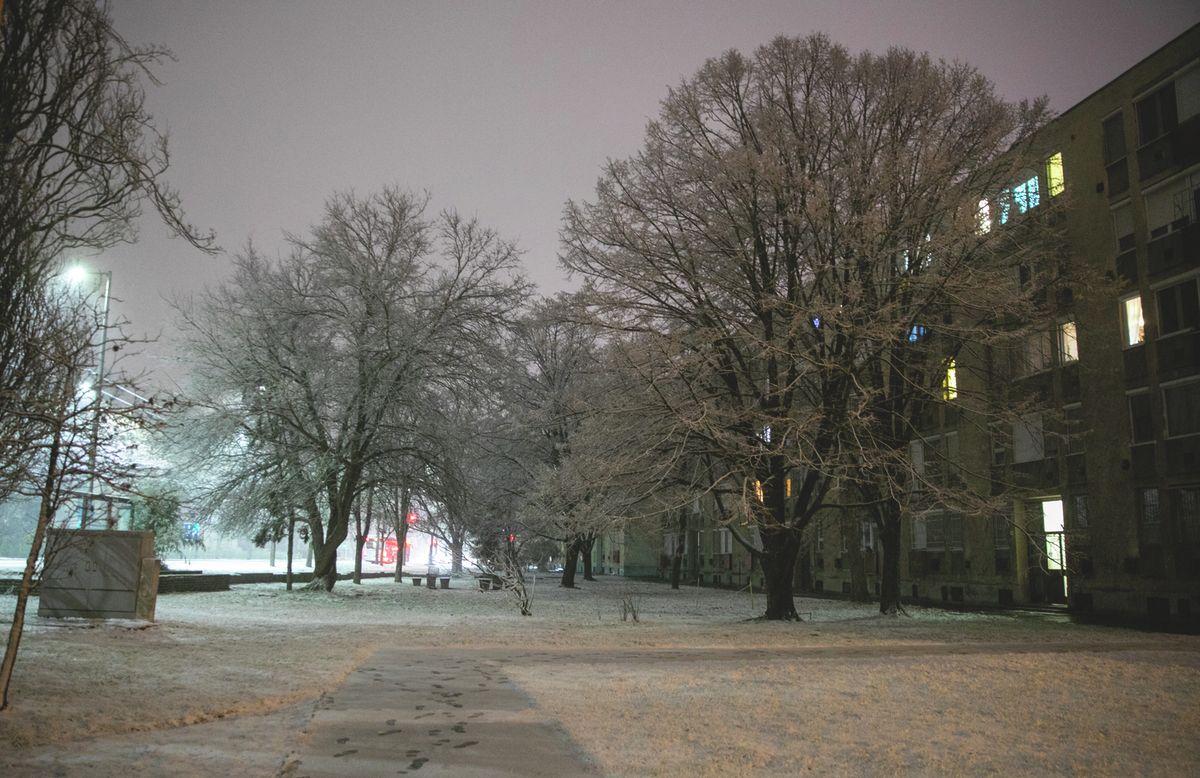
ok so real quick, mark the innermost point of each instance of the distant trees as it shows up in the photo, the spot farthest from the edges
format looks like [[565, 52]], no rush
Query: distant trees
[[798, 248], [317, 372]]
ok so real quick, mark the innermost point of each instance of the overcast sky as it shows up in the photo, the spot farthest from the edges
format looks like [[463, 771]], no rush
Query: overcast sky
[[505, 110]]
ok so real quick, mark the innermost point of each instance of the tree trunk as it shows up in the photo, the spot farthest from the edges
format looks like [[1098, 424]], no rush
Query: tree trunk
[[403, 505], [889, 546], [677, 562], [677, 551], [291, 545], [360, 541], [45, 512], [585, 550], [859, 591], [457, 540], [778, 559], [568, 576]]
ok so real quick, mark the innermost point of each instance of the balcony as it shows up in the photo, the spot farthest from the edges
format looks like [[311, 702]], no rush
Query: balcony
[[1177, 148], [1178, 355], [1177, 250]]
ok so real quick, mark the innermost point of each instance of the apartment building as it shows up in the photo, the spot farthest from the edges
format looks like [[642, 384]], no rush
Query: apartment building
[[1105, 490]]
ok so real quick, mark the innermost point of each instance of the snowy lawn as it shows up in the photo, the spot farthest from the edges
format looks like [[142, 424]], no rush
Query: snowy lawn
[[693, 688]]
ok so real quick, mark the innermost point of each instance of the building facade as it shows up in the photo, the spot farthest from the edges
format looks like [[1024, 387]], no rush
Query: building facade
[[1105, 513]]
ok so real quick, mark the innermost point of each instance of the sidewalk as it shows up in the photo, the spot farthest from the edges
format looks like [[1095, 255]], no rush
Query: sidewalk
[[431, 712]]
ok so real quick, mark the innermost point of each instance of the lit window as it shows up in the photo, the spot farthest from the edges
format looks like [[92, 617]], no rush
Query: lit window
[[1068, 342], [758, 490], [1026, 195], [1132, 321], [917, 332], [787, 488], [983, 217], [1054, 174], [950, 382]]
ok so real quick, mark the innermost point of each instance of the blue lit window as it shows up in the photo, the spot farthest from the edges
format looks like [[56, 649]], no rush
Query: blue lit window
[[917, 332], [1026, 195]]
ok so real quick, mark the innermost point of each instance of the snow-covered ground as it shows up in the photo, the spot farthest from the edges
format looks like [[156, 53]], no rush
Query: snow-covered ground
[[694, 688]]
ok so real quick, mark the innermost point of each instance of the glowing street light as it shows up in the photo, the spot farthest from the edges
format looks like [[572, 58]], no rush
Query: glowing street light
[[77, 275]]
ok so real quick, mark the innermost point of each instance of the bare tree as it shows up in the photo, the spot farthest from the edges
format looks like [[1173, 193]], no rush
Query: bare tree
[[741, 244], [380, 307], [79, 156]]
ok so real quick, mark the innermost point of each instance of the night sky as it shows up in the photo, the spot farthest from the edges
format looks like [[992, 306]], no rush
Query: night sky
[[505, 110]]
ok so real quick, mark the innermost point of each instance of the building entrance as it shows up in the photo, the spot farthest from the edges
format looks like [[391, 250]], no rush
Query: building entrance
[[1047, 552]]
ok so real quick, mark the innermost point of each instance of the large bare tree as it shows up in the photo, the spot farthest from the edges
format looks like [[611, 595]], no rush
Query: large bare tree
[[792, 217]]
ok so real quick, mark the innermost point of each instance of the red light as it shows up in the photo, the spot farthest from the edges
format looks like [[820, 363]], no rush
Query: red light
[[512, 538], [412, 518]]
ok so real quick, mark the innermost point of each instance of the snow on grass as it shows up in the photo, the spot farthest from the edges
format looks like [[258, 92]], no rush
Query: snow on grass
[[696, 686]]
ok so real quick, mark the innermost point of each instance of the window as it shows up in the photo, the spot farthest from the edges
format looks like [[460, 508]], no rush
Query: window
[[820, 532], [917, 332], [983, 218], [1140, 419], [1026, 195], [1156, 114], [1182, 405], [758, 490], [1114, 154], [1133, 324], [1123, 226], [1029, 444], [724, 542], [1114, 138], [1076, 431], [916, 458], [1079, 511], [935, 532], [1178, 308], [1054, 174], [1002, 532], [953, 531], [669, 544], [950, 382], [1022, 197], [918, 533], [1149, 520], [1035, 353], [868, 536], [1068, 342], [1186, 504]]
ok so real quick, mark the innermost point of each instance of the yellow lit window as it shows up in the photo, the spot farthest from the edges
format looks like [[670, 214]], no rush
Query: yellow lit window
[[1133, 321], [787, 487], [758, 492], [950, 382], [1068, 342], [1054, 174]]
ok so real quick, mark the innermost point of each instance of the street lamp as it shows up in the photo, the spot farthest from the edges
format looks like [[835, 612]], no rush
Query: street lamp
[[77, 275]]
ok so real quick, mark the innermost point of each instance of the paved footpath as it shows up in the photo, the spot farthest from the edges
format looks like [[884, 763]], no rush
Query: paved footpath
[[431, 712]]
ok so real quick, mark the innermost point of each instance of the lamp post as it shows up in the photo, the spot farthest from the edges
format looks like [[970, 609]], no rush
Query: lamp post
[[76, 275]]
